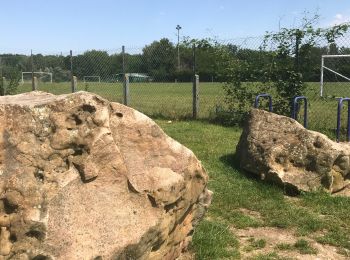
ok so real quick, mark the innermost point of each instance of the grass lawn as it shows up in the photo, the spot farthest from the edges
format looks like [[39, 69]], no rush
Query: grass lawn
[[243, 205], [174, 100], [169, 100]]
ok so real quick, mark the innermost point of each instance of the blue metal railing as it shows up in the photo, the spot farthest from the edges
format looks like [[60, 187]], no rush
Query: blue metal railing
[[256, 103], [340, 105], [295, 108]]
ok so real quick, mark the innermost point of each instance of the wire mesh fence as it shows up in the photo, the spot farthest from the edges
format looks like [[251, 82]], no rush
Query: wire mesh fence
[[160, 75]]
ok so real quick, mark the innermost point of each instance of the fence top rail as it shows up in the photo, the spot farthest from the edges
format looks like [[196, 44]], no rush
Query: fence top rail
[[336, 56]]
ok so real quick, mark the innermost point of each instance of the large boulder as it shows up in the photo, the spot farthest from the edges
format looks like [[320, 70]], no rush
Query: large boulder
[[279, 149], [84, 178]]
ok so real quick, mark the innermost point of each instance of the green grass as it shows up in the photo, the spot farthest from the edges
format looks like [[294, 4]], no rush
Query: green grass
[[315, 215], [255, 244], [213, 240], [301, 245], [284, 246], [269, 256], [170, 100], [304, 247], [174, 100]]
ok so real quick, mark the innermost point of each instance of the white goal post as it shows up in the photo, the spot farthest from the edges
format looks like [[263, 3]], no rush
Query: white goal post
[[92, 77], [323, 67], [41, 73]]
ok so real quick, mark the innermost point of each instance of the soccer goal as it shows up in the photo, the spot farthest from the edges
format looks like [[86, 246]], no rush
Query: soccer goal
[[334, 71], [92, 79], [42, 75]]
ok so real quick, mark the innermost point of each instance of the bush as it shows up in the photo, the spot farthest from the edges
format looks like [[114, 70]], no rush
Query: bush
[[10, 84]]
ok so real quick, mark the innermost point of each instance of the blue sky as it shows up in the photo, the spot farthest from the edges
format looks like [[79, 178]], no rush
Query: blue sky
[[58, 26]]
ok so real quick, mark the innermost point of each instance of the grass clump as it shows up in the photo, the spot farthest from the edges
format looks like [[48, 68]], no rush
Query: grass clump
[[255, 244], [213, 240], [304, 247]]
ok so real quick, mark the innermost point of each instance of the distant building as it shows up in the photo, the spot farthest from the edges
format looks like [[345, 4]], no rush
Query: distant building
[[135, 77]]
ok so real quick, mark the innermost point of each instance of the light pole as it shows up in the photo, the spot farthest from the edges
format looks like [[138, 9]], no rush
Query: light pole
[[178, 28]]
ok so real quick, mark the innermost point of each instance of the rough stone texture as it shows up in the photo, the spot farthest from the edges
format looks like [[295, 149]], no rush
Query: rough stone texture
[[279, 149], [83, 178]]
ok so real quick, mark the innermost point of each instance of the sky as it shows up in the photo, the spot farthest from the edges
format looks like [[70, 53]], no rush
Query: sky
[[55, 27]]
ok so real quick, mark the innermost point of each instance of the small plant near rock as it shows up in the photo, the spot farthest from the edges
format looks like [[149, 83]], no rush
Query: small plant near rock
[[255, 244], [284, 246], [269, 256], [304, 247]]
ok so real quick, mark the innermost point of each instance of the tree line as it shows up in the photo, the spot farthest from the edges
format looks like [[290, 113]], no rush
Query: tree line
[[159, 61]]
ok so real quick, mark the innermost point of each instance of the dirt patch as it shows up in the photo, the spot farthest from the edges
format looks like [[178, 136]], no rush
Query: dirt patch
[[188, 255], [250, 213], [276, 236]]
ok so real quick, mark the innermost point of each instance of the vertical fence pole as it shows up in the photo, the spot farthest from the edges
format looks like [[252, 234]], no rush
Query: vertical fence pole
[[3, 84], [0, 67], [322, 65], [126, 89], [123, 59], [195, 87], [297, 43], [125, 80], [73, 81], [34, 84]]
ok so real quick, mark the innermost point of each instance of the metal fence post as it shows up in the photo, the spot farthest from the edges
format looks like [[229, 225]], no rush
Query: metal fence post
[[195, 93], [3, 84], [74, 84], [72, 78], [126, 89], [123, 59], [35, 83], [195, 86], [125, 80]]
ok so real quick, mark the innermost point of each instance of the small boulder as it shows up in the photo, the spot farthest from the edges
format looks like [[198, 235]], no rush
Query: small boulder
[[279, 149]]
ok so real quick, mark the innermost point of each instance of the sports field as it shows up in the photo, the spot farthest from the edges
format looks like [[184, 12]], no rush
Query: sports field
[[174, 100], [169, 100]]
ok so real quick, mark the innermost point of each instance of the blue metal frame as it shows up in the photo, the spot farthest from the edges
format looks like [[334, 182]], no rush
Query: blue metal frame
[[340, 105], [295, 108], [256, 103]]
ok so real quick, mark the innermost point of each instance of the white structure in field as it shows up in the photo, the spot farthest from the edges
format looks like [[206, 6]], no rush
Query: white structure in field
[[92, 77], [41, 73], [323, 67]]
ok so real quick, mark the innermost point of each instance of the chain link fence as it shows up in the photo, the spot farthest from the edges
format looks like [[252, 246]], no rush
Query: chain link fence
[[161, 76]]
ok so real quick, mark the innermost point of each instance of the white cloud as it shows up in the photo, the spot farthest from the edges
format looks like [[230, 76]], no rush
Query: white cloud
[[339, 19]]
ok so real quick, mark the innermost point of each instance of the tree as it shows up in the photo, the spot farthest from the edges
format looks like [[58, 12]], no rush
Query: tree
[[281, 73], [160, 60]]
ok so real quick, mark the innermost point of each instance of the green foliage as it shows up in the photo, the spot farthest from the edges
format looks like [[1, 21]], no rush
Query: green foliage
[[159, 59], [280, 72], [10, 82]]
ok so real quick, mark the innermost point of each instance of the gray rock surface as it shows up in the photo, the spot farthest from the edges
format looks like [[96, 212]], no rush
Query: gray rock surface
[[84, 178], [279, 149]]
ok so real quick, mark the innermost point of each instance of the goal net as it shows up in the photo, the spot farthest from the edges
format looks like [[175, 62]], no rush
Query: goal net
[[92, 79], [335, 76]]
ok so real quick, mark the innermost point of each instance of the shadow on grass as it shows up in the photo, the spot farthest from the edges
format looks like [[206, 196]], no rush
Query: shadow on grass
[[232, 161]]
